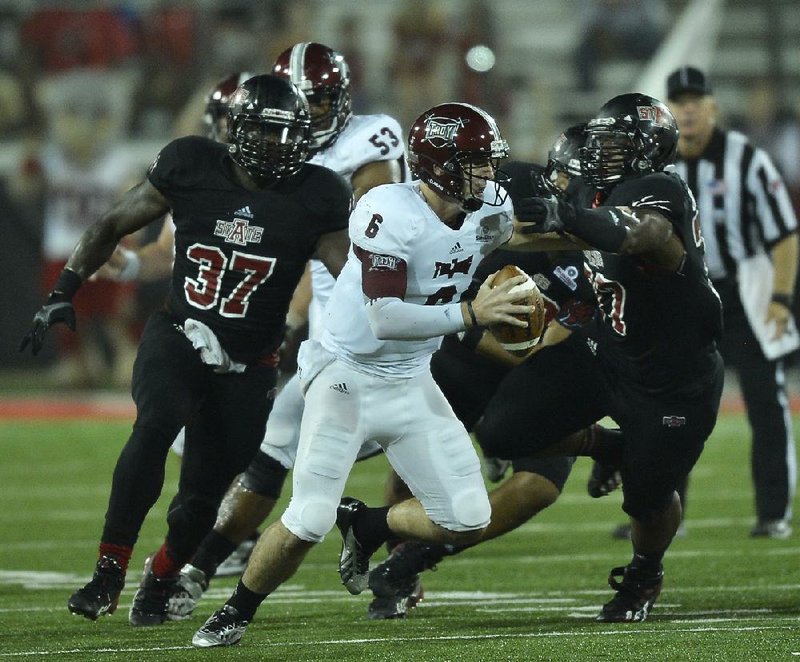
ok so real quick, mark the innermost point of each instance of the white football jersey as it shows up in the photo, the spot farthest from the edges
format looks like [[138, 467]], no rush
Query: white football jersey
[[440, 264], [365, 139]]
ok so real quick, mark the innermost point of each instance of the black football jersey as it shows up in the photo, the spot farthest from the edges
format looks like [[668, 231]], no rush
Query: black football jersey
[[239, 254], [658, 328]]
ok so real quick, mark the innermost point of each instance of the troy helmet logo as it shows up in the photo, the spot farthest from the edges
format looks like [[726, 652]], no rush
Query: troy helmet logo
[[441, 131]]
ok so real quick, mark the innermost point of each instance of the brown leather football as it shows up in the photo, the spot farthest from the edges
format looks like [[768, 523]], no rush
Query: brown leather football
[[517, 339]]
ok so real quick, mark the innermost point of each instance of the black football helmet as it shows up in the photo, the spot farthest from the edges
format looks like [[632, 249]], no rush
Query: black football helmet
[[269, 127], [324, 77], [565, 157], [217, 104], [448, 143], [632, 135]]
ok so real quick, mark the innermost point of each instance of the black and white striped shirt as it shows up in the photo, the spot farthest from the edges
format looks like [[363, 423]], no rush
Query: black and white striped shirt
[[742, 202]]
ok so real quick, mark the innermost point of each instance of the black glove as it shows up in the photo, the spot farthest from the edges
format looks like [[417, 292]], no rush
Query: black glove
[[544, 214], [540, 189], [52, 312]]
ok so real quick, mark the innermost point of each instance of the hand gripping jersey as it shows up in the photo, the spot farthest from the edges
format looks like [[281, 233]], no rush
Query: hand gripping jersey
[[658, 328], [365, 139], [239, 254], [390, 223]]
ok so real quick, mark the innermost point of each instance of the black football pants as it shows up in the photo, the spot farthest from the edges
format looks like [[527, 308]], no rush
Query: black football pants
[[225, 417]]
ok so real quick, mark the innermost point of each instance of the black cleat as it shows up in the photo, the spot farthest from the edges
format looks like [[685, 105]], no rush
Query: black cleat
[[395, 582], [225, 627], [101, 595], [603, 480], [151, 600], [354, 559], [636, 595]]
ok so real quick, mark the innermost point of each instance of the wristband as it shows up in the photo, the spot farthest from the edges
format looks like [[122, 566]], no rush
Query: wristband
[[783, 299], [133, 265], [67, 285], [473, 318]]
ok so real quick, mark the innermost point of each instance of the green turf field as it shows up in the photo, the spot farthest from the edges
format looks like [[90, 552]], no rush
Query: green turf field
[[531, 595]]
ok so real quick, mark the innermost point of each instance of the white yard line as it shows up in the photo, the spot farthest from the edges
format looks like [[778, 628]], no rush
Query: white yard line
[[417, 638]]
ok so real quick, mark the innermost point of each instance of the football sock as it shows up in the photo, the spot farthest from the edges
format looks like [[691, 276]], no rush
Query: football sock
[[245, 601], [164, 564], [648, 565], [371, 528], [212, 551], [121, 553]]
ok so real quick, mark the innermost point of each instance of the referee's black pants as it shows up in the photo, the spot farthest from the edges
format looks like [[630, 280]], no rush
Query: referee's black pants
[[763, 387]]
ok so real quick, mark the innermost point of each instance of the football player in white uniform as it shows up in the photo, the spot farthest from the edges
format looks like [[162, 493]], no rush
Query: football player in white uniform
[[414, 250]]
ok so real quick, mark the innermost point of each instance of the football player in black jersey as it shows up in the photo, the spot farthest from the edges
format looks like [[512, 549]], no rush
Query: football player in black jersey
[[659, 324], [248, 216]]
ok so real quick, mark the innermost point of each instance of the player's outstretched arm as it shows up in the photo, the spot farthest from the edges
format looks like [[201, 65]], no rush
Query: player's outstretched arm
[[138, 207]]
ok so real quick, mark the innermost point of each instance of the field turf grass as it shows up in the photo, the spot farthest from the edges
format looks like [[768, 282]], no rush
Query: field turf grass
[[531, 595]]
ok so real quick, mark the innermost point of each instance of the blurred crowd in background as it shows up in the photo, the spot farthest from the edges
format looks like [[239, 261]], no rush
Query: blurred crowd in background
[[90, 91]]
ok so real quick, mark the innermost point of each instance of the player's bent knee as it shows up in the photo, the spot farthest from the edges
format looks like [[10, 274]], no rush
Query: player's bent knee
[[310, 521], [535, 491]]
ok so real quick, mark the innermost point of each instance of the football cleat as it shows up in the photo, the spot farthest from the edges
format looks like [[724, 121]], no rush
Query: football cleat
[[186, 593], [101, 595], [225, 627], [603, 480], [354, 559], [636, 595], [150, 601], [395, 604], [395, 582], [778, 529], [236, 563]]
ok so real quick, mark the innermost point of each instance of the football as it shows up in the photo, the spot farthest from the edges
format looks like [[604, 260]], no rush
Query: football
[[517, 339]]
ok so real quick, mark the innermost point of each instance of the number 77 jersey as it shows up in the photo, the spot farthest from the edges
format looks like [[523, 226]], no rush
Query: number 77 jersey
[[397, 239], [239, 254]]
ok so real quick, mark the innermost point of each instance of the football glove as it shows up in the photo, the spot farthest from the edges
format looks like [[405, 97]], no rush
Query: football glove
[[544, 215], [51, 313]]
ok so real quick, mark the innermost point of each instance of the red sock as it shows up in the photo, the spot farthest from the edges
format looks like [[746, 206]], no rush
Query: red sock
[[122, 553], [163, 564]]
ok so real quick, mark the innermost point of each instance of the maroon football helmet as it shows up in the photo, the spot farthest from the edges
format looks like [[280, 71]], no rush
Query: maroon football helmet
[[448, 142], [217, 104], [324, 76]]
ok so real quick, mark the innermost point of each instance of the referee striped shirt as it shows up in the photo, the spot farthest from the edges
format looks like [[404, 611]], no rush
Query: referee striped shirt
[[742, 202]]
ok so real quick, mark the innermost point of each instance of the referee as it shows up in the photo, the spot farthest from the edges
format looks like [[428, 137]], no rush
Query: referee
[[750, 234]]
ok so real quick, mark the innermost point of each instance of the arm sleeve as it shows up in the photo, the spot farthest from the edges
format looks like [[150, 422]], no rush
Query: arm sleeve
[[773, 208], [393, 319]]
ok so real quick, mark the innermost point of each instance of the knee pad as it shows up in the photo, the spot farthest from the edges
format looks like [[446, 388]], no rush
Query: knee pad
[[310, 521], [264, 476], [471, 510]]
